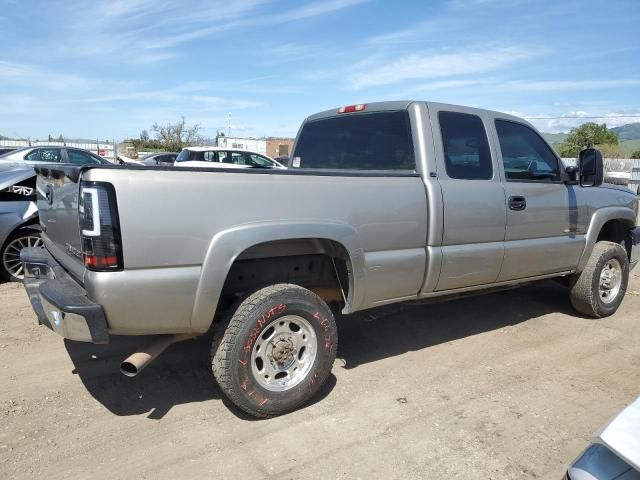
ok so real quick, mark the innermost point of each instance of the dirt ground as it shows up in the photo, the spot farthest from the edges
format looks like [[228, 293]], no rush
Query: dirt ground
[[509, 385]]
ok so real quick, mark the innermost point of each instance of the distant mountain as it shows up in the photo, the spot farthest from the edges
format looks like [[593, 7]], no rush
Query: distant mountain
[[630, 131], [554, 138], [628, 135]]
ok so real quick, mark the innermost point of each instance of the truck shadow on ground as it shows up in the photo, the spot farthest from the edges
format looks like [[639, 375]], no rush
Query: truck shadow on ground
[[182, 374], [392, 330]]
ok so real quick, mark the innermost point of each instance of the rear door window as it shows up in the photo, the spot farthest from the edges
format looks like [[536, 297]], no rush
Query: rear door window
[[466, 149], [365, 141], [47, 155], [236, 158], [78, 157]]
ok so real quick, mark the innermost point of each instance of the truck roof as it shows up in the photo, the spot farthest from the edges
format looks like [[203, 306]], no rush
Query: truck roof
[[404, 104]]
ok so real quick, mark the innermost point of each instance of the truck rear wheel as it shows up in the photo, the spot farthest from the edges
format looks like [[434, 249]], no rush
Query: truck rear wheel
[[599, 289], [276, 351]]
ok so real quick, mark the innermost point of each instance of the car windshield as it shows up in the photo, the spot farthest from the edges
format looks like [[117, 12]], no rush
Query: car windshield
[[186, 155]]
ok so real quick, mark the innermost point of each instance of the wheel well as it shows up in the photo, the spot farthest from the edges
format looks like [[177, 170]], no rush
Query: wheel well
[[320, 265], [616, 231]]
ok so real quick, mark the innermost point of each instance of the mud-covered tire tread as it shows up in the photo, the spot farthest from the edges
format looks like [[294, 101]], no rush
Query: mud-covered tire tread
[[584, 291], [227, 334]]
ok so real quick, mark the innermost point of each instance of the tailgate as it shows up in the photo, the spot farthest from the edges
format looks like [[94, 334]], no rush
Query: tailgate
[[58, 189]]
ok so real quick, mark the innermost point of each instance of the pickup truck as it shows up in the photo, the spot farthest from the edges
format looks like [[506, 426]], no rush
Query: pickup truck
[[382, 203]]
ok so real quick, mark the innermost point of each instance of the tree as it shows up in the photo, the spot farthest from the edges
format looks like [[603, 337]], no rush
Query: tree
[[173, 137], [612, 151], [587, 135], [144, 136], [636, 154]]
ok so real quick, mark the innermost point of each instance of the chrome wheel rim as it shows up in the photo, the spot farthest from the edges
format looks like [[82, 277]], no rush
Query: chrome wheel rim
[[11, 255], [610, 281], [284, 353]]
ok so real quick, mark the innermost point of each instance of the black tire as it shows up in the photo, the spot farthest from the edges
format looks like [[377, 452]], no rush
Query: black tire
[[232, 351], [585, 287], [22, 234]]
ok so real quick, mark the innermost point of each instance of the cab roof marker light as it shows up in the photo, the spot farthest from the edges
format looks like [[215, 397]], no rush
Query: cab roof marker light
[[353, 108], [95, 210]]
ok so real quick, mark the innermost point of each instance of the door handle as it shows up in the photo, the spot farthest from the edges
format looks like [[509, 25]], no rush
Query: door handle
[[517, 203]]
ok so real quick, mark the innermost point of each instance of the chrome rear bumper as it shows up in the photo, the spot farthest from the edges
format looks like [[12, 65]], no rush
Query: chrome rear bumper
[[59, 302]]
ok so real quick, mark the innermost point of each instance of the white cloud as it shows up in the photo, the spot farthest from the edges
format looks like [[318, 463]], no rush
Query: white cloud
[[555, 85], [137, 29], [10, 70], [318, 8], [446, 84], [373, 72]]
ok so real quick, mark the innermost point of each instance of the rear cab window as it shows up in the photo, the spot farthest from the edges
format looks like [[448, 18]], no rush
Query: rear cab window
[[363, 141], [467, 155]]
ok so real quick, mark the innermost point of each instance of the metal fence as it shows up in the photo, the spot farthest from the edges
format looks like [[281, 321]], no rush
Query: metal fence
[[634, 181]]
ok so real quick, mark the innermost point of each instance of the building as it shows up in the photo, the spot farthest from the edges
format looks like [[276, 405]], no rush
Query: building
[[253, 144], [279, 147]]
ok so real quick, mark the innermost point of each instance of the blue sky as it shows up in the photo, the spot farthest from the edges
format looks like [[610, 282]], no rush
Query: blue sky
[[108, 69]]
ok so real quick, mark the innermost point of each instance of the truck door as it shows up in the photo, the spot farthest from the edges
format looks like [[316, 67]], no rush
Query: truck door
[[473, 199], [540, 237]]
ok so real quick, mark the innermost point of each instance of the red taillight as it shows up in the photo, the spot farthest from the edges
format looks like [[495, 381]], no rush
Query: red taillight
[[100, 227], [353, 108], [100, 262]]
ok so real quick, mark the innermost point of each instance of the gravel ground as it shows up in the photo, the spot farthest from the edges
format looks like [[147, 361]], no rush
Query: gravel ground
[[508, 385]]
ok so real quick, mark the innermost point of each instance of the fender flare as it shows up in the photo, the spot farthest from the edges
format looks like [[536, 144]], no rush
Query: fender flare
[[598, 219], [227, 245]]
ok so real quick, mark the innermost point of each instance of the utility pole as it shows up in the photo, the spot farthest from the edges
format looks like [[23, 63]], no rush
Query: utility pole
[[229, 125]]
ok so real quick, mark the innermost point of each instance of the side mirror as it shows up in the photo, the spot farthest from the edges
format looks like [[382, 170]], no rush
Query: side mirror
[[591, 168], [572, 175]]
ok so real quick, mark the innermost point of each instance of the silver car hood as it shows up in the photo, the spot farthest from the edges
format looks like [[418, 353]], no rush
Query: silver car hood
[[622, 435], [12, 174]]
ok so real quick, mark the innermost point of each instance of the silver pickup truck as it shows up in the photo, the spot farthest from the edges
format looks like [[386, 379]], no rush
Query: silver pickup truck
[[381, 203]]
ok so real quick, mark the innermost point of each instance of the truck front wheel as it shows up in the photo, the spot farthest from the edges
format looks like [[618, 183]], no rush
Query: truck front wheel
[[276, 351], [599, 289]]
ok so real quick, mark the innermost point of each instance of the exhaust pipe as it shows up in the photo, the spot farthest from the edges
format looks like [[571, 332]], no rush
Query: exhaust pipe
[[136, 362]]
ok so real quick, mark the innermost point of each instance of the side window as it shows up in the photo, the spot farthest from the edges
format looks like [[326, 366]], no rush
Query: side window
[[50, 155], [237, 158], [524, 154], [466, 148], [33, 156], [78, 157], [209, 157], [259, 160], [224, 157]]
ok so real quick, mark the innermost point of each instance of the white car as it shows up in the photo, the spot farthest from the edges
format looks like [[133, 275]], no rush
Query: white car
[[223, 158], [615, 453]]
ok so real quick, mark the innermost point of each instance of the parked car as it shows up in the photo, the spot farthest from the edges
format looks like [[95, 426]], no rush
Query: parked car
[[615, 452], [51, 154], [383, 203], [5, 150], [19, 226], [223, 158], [166, 159], [283, 160]]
